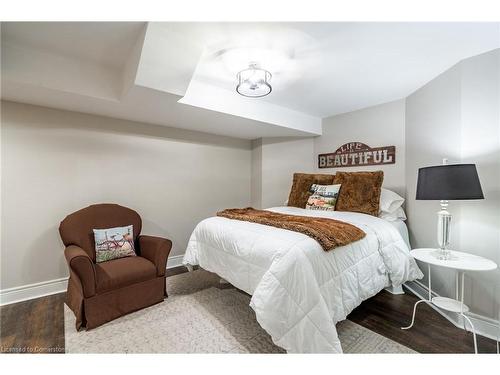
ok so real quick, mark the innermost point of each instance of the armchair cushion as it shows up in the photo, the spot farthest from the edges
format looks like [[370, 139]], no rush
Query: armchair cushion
[[156, 250], [118, 273], [81, 265]]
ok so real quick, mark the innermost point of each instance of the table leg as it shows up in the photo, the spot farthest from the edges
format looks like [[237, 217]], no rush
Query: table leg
[[458, 294], [429, 301], [462, 273], [414, 311], [464, 317], [429, 276]]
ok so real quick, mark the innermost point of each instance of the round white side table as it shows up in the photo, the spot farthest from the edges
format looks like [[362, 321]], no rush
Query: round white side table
[[461, 262]]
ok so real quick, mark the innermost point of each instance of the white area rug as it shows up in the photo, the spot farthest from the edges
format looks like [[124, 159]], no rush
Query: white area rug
[[202, 316]]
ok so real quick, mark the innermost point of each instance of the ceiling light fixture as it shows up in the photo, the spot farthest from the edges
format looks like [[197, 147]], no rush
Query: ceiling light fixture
[[254, 82]]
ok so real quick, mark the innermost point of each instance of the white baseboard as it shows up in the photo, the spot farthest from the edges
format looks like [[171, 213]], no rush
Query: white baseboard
[[483, 325], [47, 288], [174, 261], [395, 290], [30, 291]]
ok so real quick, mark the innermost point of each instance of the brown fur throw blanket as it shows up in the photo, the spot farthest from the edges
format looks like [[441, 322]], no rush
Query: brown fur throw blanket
[[329, 233]]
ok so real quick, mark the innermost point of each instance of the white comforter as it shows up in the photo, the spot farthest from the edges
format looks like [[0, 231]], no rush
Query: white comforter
[[299, 291]]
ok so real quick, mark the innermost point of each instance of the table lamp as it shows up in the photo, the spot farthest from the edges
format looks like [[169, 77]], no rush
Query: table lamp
[[445, 183]]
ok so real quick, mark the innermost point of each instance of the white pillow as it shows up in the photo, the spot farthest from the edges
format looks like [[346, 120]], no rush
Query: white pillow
[[399, 214], [390, 201]]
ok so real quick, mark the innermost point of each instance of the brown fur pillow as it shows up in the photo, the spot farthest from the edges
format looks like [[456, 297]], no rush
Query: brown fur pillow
[[360, 191], [301, 185]]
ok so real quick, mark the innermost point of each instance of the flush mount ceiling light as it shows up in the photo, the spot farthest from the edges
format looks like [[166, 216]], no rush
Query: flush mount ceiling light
[[254, 82]]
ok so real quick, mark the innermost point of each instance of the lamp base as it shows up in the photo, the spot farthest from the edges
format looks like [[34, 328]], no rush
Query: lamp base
[[443, 232], [442, 254]]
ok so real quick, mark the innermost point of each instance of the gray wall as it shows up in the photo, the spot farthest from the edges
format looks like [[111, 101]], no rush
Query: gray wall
[[274, 161], [382, 125], [55, 162], [479, 225], [457, 116], [256, 188]]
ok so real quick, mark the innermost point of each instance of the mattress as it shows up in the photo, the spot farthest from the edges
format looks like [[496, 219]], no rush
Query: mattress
[[299, 291]]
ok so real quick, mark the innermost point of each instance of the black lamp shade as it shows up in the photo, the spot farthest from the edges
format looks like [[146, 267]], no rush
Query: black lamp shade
[[449, 182]]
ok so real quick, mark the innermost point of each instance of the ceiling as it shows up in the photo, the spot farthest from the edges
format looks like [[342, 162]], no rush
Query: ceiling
[[107, 43], [183, 74], [341, 67]]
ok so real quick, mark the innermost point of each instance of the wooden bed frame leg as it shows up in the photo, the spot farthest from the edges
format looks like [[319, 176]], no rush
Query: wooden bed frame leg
[[395, 290]]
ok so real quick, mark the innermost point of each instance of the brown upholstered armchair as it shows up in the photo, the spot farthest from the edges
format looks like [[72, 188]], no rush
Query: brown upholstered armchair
[[100, 292]]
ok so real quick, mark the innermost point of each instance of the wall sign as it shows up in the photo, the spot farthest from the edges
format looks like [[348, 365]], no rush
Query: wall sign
[[355, 154]]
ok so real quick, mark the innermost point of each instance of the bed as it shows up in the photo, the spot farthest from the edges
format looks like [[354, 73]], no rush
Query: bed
[[299, 291]]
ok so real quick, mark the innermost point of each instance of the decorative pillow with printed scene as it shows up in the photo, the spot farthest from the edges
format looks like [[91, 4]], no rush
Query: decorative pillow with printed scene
[[324, 197], [114, 243], [301, 187]]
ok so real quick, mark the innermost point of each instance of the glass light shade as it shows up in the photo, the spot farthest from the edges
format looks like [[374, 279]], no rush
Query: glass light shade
[[254, 82]]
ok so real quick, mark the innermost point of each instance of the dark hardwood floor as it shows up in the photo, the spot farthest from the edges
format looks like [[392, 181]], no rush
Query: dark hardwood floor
[[386, 313], [37, 326]]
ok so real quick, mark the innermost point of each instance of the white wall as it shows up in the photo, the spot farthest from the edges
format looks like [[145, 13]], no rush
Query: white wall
[[382, 125], [256, 188], [457, 116], [479, 224], [432, 133], [274, 161], [55, 162]]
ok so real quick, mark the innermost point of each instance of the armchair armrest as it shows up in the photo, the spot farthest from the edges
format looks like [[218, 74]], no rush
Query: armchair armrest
[[156, 250], [82, 266]]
